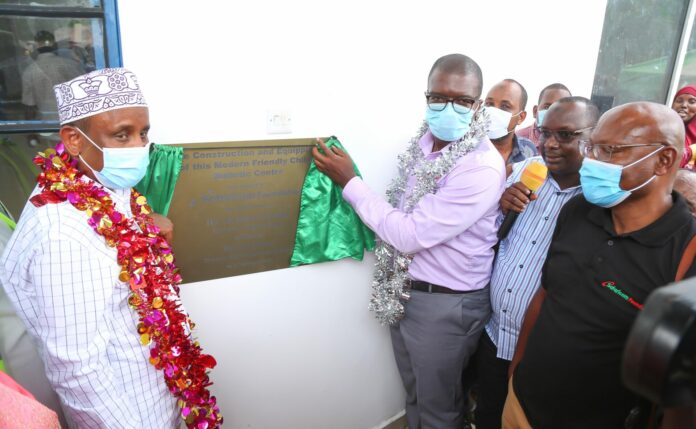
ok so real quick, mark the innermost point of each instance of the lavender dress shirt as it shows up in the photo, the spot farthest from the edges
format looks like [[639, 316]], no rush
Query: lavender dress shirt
[[451, 232]]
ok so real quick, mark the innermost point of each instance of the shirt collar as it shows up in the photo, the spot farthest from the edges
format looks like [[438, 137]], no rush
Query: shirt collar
[[557, 187], [426, 144], [120, 197], [515, 149], [653, 235], [521, 150], [549, 177]]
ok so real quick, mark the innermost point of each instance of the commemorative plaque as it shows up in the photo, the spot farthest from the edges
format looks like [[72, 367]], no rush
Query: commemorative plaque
[[236, 205]]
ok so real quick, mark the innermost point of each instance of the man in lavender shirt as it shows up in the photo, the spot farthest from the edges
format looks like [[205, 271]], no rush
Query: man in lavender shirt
[[450, 234]]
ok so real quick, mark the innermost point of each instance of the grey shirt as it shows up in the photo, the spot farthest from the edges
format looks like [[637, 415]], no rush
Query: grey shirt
[[39, 78]]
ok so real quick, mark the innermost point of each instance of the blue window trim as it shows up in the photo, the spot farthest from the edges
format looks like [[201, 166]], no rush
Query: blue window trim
[[112, 30], [112, 45]]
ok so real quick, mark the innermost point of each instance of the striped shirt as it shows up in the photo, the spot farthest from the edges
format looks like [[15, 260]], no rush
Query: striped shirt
[[521, 255], [63, 281]]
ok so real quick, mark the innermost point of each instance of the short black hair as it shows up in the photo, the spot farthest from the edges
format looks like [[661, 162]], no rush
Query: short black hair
[[523, 97], [591, 110], [459, 64], [44, 37], [558, 86]]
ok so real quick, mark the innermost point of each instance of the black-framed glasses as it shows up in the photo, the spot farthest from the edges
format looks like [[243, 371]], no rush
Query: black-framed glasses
[[561, 136], [604, 152], [438, 103]]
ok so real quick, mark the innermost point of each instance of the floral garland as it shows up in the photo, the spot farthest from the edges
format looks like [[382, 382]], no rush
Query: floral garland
[[390, 280], [147, 265]]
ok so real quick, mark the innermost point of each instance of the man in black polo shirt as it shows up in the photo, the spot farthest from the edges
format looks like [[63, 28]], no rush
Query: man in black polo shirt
[[613, 245]]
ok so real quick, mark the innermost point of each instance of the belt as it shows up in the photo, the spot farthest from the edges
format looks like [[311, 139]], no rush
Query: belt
[[431, 288]]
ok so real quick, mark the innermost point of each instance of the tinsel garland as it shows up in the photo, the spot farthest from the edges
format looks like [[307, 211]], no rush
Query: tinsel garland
[[147, 265], [390, 279]]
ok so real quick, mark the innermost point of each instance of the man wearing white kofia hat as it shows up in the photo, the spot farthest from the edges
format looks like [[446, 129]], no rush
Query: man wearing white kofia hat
[[91, 277]]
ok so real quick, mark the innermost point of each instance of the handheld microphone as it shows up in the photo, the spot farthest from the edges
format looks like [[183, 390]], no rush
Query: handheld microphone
[[533, 177]]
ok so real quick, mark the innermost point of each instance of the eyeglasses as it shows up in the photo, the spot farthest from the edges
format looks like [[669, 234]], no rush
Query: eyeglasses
[[561, 136], [603, 152], [437, 103]]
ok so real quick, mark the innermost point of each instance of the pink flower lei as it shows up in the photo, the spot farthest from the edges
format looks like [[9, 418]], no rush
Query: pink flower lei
[[147, 265]]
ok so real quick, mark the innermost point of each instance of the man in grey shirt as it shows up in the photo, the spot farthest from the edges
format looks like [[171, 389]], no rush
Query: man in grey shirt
[[40, 76]]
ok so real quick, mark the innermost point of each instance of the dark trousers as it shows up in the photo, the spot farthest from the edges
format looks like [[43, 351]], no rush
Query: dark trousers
[[492, 384]]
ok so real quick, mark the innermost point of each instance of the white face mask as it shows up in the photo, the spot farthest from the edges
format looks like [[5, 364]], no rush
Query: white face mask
[[500, 120], [123, 167]]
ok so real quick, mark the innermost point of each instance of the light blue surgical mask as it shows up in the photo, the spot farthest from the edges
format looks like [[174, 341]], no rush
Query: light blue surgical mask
[[448, 125], [123, 167], [540, 116], [601, 181]]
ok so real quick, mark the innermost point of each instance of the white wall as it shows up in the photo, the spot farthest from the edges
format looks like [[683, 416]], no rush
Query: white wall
[[297, 348]]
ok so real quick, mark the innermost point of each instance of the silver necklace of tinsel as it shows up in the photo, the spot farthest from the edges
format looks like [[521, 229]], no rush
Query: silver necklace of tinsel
[[390, 281]]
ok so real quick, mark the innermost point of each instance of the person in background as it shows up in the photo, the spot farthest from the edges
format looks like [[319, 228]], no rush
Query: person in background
[[685, 105], [450, 235], [40, 76], [614, 244], [19, 409], [685, 184], [17, 348], [549, 95], [517, 268], [505, 104]]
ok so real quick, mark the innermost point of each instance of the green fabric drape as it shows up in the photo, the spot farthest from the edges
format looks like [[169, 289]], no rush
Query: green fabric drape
[[328, 228], [162, 174]]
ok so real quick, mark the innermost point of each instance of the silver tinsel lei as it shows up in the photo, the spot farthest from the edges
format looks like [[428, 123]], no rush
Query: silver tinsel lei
[[390, 280]]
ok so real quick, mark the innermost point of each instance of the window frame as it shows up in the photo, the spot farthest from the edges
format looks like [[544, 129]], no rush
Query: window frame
[[108, 13], [682, 50]]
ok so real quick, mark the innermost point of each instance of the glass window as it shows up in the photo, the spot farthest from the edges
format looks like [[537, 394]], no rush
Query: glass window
[[688, 72], [37, 53], [637, 51], [53, 3], [42, 43], [17, 171]]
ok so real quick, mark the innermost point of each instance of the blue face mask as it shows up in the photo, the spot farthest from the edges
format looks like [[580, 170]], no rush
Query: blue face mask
[[601, 181], [540, 116], [123, 167], [448, 125]]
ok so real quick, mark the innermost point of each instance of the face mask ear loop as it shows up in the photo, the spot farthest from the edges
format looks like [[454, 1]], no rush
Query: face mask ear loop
[[89, 139], [87, 164], [644, 184], [515, 126], [643, 158], [95, 145]]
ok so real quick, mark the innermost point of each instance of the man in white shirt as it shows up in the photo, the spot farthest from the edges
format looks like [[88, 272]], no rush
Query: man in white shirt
[[71, 273]]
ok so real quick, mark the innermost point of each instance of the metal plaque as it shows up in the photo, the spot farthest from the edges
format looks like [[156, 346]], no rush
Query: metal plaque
[[236, 205]]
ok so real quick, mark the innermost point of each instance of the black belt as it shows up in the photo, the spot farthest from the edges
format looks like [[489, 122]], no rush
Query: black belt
[[431, 288]]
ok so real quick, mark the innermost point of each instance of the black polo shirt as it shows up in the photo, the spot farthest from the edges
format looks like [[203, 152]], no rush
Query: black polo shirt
[[570, 376]]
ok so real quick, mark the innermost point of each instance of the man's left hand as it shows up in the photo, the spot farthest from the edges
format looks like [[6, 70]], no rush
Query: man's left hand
[[165, 226], [334, 163]]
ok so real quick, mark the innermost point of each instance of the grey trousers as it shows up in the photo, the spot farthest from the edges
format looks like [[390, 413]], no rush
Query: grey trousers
[[432, 346]]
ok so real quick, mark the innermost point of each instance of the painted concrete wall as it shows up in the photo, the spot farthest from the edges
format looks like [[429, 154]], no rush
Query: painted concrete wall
[[297, 348]]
